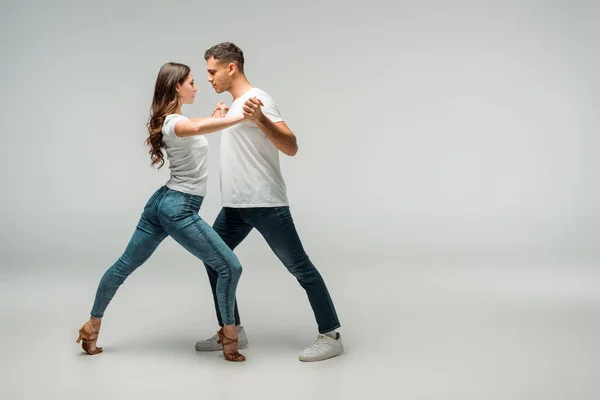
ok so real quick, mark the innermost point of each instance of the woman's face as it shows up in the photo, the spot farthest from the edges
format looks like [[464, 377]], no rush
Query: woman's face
[[187, 90]]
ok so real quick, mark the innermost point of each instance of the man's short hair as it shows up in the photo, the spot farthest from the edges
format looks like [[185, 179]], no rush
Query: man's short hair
[[226, 52]]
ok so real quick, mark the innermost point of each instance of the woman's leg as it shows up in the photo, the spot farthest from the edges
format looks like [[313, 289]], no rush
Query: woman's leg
[[231, 227], [146, 238], [178, 215]]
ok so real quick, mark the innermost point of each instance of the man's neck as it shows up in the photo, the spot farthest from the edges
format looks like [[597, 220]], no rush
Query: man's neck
[[239, 87]]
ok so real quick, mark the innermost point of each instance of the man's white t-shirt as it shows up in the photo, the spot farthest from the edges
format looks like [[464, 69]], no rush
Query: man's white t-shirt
[[250, 172], [187, 158]]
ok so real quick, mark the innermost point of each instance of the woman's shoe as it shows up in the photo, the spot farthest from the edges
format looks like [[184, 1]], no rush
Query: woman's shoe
[[89, 337], [224, 340]]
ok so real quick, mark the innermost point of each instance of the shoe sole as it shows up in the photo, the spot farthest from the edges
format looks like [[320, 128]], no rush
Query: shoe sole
[[322, 358], [243, 346]]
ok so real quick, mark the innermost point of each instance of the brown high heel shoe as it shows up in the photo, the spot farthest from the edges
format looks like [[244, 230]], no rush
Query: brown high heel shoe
[[89, 337], [224, 340]]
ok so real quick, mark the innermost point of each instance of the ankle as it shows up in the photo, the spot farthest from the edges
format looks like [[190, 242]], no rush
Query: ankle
[[95, 322], [230, 331], [333, 334]]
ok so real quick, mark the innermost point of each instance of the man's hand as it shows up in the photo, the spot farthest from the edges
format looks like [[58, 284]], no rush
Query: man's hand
[[220, 110], [252, 110]]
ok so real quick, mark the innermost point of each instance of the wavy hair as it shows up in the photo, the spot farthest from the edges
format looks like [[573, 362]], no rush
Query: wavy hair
[[164, 102]]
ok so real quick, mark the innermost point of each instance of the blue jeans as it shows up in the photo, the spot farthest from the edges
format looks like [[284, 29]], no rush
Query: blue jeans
[[175, 214], [276, 225]]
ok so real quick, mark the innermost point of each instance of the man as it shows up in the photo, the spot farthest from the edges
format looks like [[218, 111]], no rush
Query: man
[[254, 195]]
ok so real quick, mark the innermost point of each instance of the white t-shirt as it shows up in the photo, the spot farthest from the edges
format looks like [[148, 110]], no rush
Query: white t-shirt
[[250, 172], [187, 158]]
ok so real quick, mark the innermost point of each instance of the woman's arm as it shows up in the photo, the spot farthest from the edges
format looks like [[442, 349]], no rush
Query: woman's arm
[[202, 126], [218, 112]]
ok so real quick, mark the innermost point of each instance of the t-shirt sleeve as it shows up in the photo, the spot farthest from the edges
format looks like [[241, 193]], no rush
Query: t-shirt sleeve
[[269, 108], [169, 124]]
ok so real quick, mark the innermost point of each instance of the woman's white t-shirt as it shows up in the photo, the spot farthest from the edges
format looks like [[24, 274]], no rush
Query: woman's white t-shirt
[[188, 158]]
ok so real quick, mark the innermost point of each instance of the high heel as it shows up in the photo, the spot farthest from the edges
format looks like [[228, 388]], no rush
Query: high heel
[[224, 340], [89, 337]]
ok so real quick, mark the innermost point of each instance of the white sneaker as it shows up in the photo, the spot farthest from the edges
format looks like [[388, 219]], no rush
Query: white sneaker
[[325, 347], [211, 344]]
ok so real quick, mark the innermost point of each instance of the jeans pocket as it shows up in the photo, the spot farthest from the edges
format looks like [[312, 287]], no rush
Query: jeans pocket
[[176, 206]]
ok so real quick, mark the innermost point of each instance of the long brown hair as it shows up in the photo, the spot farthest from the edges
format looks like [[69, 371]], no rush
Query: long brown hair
[[164, 102]]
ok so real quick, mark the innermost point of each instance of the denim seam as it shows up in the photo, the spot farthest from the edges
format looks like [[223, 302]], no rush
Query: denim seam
[[325, 299], [224, 262], [230, 241], [144, 230], [324, 296], [239, 210], [173, 218], [154, 202], [186, 210], [277, 209]]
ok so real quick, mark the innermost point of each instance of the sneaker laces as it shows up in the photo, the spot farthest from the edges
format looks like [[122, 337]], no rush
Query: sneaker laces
[[215, 338], [321, 339]]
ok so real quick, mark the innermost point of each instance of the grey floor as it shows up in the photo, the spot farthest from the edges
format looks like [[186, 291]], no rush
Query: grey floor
[[412, 329]]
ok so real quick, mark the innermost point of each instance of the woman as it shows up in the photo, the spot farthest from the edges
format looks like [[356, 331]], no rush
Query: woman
[[173, 209]]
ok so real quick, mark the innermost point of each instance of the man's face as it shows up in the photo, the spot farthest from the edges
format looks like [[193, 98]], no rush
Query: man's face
[[219, 75]]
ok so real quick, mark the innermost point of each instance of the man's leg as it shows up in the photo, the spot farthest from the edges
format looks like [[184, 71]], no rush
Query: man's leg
[[277, 227]]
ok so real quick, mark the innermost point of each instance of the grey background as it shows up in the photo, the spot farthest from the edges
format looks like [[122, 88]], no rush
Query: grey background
[[448, 152]]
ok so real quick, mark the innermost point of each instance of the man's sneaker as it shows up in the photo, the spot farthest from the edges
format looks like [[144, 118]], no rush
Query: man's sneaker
[[325, 347], [211, 344]]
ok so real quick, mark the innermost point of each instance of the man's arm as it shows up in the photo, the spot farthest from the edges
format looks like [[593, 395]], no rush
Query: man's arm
[[277, 132]]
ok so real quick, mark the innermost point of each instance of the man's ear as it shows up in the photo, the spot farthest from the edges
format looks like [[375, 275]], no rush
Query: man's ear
[[231, 67]]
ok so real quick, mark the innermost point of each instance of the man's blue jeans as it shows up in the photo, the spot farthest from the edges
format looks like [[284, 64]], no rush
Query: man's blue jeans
[[276, 225]]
